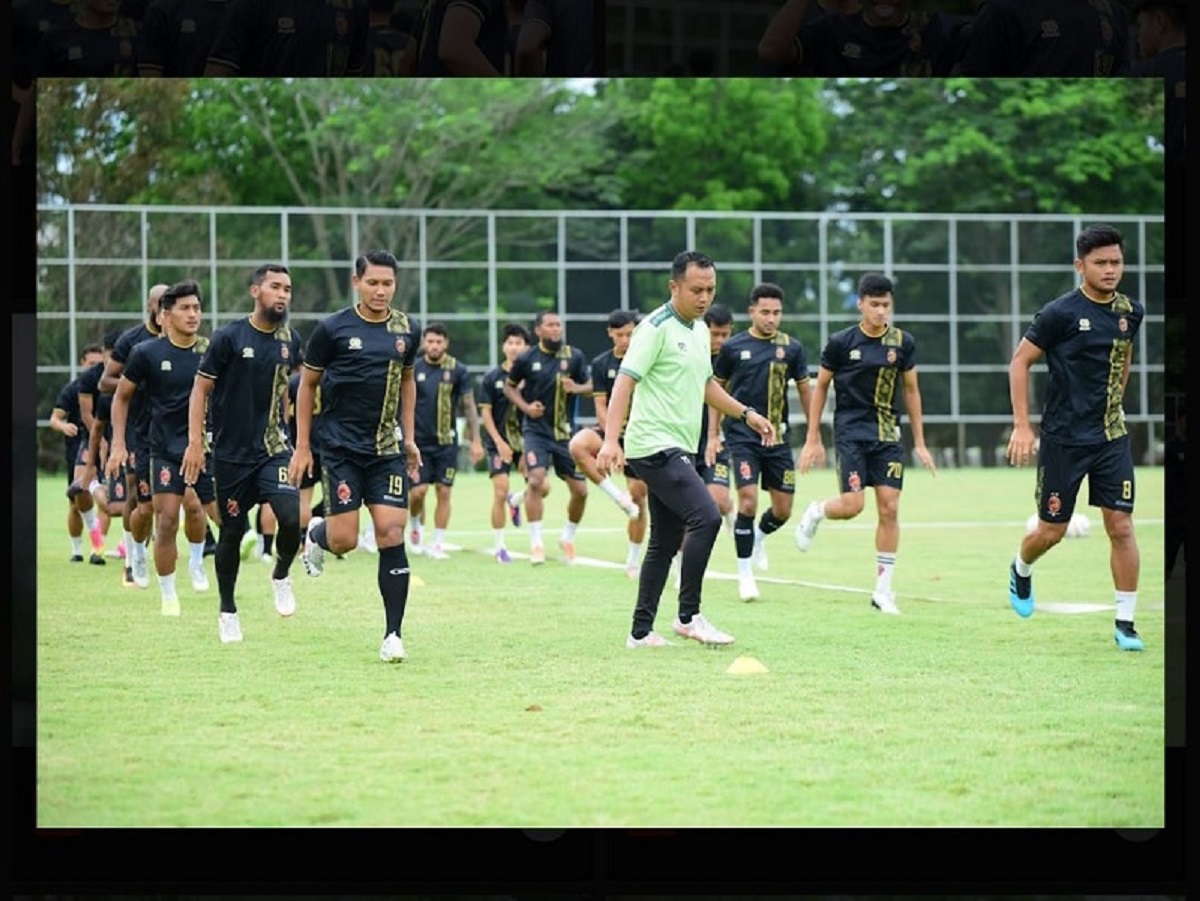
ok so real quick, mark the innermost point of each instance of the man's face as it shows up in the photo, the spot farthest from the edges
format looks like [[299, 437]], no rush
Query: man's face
[[550, 328], [876, 311], [620, 338], [91, 358], [376, 287], [886, 13], [514, 346], [765, 315], [717, 336], [183, 317], [435, 346], [273, 297], [694, 293], [1101, 269]]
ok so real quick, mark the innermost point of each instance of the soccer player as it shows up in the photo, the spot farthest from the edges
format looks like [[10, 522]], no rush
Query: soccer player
[[556, 38], [1058, 38], [443, 385], [163, 370], [1086, 338], [291, 38], [585, 444], [66, 419], [242, 384], [139, 511], [363, 358], [462, 37], [98, 42], [390, 50], [544, 384], [502, 436], [755, 367], [177, 36], [1162, 48], [866, 363], [669, 361]]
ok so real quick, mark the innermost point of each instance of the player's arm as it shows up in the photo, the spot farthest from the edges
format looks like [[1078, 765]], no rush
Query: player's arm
[[531, 48], [1020, 443], [306, 401], [503, 448], [95, 441], [118, 455], [777, 46], [472, 414], [408, 420], [193, 455], [611, 456], [912, 404], [87, 410], [60, 423], [517, 399], [1126, 367], [601, 403], [457, 47], [111, 377], [813, 451]]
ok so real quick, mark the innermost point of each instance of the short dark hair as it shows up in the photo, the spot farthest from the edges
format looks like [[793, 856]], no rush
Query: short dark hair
[[875, 284], [110, 338], [718, 314], [512, 328], [1094, 236], [187, 288], [375, 258], [622, 318], [687, 258], [92, 348], [765, 289], [541, 315], [261, 272], [437, 328]]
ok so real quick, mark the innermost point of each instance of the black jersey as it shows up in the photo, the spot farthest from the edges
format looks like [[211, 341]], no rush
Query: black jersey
[[293, 389], [440, 388], [493, 32], [571, 48], [1171, 67], [31, 21], [758, 372], [361, 364], [164, 373], [542, 374], [1085, 343], [138, 418], [1060, 38], [385, 47], [604, 370], [300, 38], [250, 368], [69, 50], [868, 376], [704, 414], [505, 414], [68, 402], [845, 45], [177, 35]]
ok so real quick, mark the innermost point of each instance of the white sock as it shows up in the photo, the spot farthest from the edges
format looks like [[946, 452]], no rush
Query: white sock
[[568, 532], [516, 498], [633, 554], [1126, 602], [89, 519], [127, 537], [167, 585], [609, 487], [535, 533], [1023, 569], [419, 529], [730, 519], [498, 539], [744, 566], [77, 545], [884, 565], [439, 535], [369, 531], [197, 552]]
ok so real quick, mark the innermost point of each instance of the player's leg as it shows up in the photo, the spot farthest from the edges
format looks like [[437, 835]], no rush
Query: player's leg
[[142, 523], [268, 527], [498, 475], [746, 473], [537, 485], [778, 477], [1111, 486], [195, 528], [385, 493], [236, 494], [583, 448], [1060, 471], [416, 502], [847, 504], [336, 532], [635, 530], [576, 482], [167, 502]]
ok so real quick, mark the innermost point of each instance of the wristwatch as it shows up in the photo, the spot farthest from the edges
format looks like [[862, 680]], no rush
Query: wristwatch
[[747, 411]]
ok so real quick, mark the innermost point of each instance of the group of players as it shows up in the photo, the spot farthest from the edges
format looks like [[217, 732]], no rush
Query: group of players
[[210, 428]]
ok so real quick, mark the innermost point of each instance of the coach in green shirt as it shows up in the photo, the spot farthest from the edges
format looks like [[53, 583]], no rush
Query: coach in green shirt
[[670, 363]]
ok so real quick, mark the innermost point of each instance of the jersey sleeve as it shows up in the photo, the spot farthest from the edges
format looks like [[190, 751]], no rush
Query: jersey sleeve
[[320, 347], [137, 366], [643, 350]]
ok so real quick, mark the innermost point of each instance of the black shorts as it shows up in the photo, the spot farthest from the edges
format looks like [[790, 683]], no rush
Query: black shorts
[[168, 479], [141, 471], [495, 465], [542, 453], [307, 480], [116, 489], [438, 464], [718, 473], [351, 480], [774, 466], [869, 463], [240, 486], [1061, 469]]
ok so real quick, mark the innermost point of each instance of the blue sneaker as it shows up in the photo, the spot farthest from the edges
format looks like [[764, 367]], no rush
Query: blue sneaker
[[1127, 638], [1020, 592]]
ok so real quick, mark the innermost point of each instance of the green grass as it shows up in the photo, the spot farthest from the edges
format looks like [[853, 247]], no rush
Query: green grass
[[520, 705]]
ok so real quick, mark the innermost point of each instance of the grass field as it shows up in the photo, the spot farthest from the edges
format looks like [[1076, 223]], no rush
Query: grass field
[[520, 706]]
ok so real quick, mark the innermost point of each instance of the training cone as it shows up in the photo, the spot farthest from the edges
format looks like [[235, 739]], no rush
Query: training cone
[[743, 666]]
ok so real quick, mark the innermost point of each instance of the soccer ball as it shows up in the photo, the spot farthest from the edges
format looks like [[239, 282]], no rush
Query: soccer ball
[[1079, 526]]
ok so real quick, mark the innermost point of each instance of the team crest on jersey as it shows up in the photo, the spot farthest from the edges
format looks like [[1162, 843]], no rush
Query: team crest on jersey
[[744, 355], [355, 343], [852, 51], [612, 373], [779, 353], [343, 493], [74, 52], [856, 354], [1085, 325], [339, 25], [401, 346], [232, 508], [682, 345], [536, 367], [1054, 505], [187, 26], [855, 481], [165, 366], [1050, 29], [143, 487], [891, 356], [247, 353], [164, 476], [286, 25], [499, 384], [420, 376]]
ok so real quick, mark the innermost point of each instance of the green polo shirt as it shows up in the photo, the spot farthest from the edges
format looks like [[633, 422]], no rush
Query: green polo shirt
[[671, 363]]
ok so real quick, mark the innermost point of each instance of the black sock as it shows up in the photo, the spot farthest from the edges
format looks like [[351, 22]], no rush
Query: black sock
[[393, 585], [743, 535], [268, 543], [769, 522]]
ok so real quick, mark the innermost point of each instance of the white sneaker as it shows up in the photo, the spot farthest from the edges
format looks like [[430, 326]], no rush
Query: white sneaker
[[630, 507], [141, 570], [199, 577], [285, 600], [366, 541], [759, 555], [632, 571], [437, 552], [885, 603], [747, 588], [267, 558], [392, 650], [702, 631], [249, 544], [313, 557], [229, 628], [170, 607], [650, 640], [807, 530]]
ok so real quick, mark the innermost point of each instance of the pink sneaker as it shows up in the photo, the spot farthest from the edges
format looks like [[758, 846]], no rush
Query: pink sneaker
[[568, 549]]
